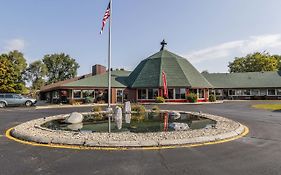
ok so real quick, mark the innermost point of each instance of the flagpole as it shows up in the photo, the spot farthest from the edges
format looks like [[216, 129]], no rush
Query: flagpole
[[109, 67]]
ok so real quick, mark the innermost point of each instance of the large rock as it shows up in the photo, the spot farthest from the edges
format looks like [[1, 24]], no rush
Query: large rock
[[118, 117], [127, 107], [75, 127], [74, 118], [128, 118], [127, 111], [179, 126]]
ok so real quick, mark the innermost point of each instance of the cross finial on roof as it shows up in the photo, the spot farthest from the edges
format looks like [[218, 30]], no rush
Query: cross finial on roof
[[163, 43]]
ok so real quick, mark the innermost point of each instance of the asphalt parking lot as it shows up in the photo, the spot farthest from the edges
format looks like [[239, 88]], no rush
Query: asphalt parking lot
[[257, 153]]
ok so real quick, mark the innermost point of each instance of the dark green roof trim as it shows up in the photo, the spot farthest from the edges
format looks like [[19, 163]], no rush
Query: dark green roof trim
[[270, 79], [179, 72], [118, 80]]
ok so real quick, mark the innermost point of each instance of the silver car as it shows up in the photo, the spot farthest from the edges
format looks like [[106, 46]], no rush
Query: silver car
[[10, 99]]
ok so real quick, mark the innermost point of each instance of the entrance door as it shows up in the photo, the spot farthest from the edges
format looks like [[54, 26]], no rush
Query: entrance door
[[119, 95]]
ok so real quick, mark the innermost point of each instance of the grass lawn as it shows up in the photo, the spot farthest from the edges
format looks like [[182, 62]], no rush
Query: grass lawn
[[268, 106]]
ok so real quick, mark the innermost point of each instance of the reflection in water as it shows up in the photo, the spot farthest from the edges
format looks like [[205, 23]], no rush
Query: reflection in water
[[137, 123], [75, 127], [166, 121]]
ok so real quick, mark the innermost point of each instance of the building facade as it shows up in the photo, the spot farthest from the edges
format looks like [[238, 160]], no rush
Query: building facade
[[144, 83]]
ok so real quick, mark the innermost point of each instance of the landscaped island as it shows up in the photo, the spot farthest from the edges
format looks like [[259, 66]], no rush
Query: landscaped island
[[133, 135]]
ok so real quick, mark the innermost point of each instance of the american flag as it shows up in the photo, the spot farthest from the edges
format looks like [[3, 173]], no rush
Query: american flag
[[105, 17], [164, 80]]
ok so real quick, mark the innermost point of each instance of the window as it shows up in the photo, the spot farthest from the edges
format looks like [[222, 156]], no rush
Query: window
[[278, 91], [218, 92], [271, 92], [8, 96], [2, 96], [76, 93], [263, 92], [212, 91], [119, 95], [141, 93], [17, 96], [88, 93], [171, 93], [201, 93], [255, 92], [152, 93], [238, 92], [180, 93], [194, 91], [231, 92], [246, 92], [55, 94]]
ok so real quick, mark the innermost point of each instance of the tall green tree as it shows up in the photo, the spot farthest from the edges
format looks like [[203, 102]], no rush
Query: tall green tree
[[278, 58], [36, 73], [60, 67], [255, 62], [12, 69]]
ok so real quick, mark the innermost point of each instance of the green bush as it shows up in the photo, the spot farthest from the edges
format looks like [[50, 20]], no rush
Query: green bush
[[89, 99], [192, 98], [212, 98], [159, 100], [138, 108]]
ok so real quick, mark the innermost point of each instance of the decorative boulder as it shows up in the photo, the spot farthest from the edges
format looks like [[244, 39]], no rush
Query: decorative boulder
[[127, 111], [128, 118], [127, 107], [74, 118], [75, 127], [118, 117], [179, 126], [175, 115]]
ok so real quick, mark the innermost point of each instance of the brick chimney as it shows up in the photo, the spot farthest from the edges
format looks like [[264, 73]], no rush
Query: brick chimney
[[98, 69]]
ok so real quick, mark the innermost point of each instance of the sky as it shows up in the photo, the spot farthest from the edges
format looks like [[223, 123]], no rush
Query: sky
[[209, 34]]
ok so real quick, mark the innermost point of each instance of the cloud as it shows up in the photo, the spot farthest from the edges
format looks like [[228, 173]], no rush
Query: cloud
[[229, 50], [14, 44]]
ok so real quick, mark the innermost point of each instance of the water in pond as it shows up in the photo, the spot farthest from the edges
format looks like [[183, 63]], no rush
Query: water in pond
[[140, 123]]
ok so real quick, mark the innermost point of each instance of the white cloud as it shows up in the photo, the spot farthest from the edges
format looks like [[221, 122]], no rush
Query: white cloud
[[229, 50], [14, 44]]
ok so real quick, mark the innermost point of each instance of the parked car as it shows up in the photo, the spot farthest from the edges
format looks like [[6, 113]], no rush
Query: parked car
[[11, 99]]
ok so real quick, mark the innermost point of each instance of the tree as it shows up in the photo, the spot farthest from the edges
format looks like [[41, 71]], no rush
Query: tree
[[255, 62], [60, 67], [205, 72], [12, 69], [36, 73], [278, 57]]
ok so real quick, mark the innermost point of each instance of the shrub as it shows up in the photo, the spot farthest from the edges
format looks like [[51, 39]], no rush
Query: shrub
[[155, 109], [89, 100], [74, 102], [100, 101], [159, 100], [138, 108], [212, 98], [120, 106], [192, 98], [96, 109]]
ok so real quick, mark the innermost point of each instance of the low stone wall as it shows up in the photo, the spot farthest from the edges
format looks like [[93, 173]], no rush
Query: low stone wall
[[33, 132]]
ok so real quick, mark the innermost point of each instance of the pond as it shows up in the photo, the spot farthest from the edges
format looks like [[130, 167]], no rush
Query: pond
[[140, 123]]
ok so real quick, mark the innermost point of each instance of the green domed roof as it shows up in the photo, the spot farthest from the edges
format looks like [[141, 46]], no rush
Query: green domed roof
[[179, 72]]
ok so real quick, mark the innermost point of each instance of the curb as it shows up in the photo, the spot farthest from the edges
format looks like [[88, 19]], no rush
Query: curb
[[32, 132], [9, 136]]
